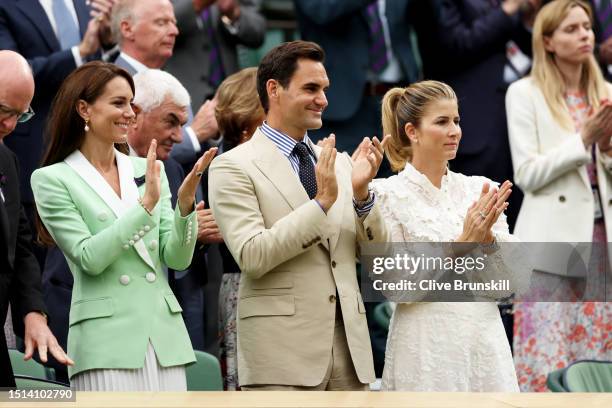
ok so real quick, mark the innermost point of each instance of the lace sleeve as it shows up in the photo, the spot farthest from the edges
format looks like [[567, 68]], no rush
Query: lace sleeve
[[396, 206]]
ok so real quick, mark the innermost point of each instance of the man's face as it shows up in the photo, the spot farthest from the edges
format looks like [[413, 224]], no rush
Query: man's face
[[303, 101], [14, 100], [154, 31], [164, 124]]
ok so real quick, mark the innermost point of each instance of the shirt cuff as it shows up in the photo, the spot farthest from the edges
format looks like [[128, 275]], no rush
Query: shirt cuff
[[362, 208], [77, 55], [194, 139]]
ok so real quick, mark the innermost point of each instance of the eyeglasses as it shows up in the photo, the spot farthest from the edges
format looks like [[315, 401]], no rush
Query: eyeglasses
[[6, 112]]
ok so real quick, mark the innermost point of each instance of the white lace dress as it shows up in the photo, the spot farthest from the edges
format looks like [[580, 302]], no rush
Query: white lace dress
[[442, 346]]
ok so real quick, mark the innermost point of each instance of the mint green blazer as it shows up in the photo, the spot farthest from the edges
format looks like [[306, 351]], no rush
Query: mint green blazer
[[121, 299]]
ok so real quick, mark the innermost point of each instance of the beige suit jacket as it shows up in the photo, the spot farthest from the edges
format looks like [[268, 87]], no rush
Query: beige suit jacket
[[293, 258]]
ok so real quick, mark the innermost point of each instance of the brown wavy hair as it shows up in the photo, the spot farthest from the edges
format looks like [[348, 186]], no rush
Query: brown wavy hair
[[65, 129]]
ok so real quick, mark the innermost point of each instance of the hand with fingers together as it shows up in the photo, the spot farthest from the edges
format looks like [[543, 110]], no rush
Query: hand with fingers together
[[38, 337], [187, 190], [366, 161], [598, 127], [325, 173], [208, 230], [484, 213]]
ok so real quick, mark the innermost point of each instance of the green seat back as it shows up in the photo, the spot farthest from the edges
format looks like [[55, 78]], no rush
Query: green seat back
[[588, 376], [29, 383], [382, 314], [204, 374], [554, 381], [30, 368]]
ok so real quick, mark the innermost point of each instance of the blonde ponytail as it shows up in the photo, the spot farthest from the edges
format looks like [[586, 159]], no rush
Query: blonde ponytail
[[407, 105], [398, 149]]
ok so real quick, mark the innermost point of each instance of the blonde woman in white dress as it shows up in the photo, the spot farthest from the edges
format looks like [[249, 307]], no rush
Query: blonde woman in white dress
[[441, 346]]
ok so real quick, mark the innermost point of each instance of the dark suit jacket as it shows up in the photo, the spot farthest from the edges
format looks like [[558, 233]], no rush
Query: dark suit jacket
[[25, 28], [340, 27], [463, 43], [19, 271], [190, 59]]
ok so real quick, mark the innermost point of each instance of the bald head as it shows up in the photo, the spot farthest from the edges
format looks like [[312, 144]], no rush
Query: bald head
[[15, 73], [16, 89]]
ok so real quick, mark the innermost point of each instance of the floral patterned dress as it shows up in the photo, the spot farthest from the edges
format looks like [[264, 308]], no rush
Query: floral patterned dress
[[550, 336]]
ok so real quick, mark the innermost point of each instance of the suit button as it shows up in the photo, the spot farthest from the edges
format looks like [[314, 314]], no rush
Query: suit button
[[562, 198], [126, 246], [131, 242], [150, 277], [332, 298], [147, 228], [141, 233], [333, 264], [124, 279], [153, 245], [103, 216]]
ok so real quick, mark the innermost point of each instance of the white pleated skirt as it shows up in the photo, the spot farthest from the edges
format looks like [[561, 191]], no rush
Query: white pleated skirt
[[152, 377]]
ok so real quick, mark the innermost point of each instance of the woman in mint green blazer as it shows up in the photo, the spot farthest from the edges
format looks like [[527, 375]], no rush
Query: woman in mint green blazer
[[111, 216]]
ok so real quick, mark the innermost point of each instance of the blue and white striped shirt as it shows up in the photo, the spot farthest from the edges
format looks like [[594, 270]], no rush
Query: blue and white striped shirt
[[286, 144]]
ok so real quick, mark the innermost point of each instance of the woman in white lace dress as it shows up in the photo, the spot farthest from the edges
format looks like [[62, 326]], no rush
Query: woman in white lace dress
[[441, 346]]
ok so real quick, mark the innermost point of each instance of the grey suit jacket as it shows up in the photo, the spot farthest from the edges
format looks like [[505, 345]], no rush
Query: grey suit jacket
[[190, 60]]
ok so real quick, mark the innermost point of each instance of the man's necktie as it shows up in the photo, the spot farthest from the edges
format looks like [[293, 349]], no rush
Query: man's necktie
[[67, 29], [378, 47], [215, 73], [603, 10], [307, 170]]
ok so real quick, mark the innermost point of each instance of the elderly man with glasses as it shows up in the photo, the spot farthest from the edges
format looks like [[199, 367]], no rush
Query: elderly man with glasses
[[19, 272]]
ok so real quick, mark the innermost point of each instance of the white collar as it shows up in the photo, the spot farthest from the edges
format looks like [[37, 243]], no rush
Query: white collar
[[129, 191]]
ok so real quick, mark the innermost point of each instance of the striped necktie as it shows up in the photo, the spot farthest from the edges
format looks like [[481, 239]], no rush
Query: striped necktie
[[216, 73], [378, 48]]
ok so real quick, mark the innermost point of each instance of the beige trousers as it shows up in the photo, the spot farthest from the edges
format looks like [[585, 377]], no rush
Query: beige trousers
[[340, 375]]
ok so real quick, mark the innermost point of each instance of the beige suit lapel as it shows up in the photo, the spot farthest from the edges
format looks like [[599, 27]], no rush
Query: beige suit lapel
[[276, 168]]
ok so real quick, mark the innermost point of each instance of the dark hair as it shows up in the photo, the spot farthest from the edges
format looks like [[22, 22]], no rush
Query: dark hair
[[65, 130], [280, 64]]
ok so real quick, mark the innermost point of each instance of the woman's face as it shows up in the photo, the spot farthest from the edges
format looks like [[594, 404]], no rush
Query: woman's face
[[573, 41], [439, 133], [111, 115]]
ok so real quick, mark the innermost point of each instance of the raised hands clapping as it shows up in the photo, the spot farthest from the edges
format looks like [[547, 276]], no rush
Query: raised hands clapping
[[366, 161], [186, 192], [484, 213]]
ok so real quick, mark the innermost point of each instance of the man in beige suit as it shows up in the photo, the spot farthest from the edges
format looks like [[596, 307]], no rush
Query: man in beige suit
[[293, 228]]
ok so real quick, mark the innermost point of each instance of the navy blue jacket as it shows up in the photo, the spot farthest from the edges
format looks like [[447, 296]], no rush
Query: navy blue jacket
[[25, 28], [340, 27]]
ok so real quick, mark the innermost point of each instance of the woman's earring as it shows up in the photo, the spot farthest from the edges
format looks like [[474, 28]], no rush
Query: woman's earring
[[87, 125]]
